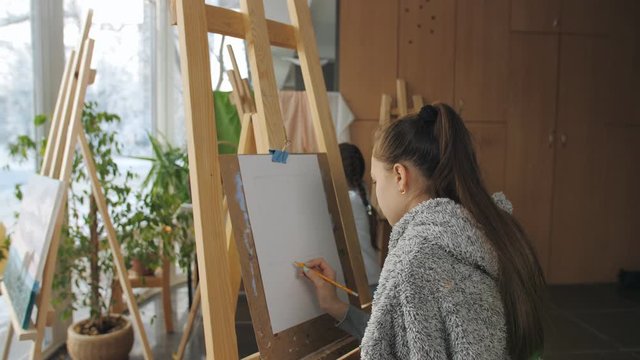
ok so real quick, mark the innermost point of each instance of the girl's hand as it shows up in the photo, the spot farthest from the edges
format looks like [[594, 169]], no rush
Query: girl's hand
[[326, 293]]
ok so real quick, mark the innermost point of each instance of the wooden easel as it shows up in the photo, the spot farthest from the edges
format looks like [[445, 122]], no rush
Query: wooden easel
[[65, 134], [247, 144], [219, 274], [402, 105], [387, 114], [241, 93]]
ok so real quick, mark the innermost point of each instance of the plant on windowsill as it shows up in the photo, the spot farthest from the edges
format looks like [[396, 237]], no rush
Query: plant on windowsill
[[164, 229], [85, 269]]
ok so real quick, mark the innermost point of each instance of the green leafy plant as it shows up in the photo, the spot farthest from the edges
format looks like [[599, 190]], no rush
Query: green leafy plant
[[147, 221], [164, 229], [84, 257], [5, 241]]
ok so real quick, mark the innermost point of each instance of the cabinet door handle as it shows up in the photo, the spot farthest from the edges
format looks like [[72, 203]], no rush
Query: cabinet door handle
[[555, 23], [563, 140], [551, 139]]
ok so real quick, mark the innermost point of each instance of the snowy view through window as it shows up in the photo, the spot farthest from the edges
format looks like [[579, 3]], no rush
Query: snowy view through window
[[16, 95], [125, 57]]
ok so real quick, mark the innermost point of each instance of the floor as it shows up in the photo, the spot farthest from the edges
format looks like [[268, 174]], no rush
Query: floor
[[591, 322], [586, 322], [165, 345]]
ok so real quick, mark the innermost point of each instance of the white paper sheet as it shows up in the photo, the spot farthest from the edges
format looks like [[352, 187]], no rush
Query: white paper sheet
[[290, 221]]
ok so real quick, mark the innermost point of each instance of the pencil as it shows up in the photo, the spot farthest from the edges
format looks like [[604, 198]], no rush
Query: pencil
[[340, 286]]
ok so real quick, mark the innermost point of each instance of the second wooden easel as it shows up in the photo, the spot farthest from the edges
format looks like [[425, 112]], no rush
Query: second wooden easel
[[388, 114], [65, 134]]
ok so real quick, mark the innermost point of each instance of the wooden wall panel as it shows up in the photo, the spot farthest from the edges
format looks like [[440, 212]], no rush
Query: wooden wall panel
[[481, 63], [531, 120], [578, 216], [587, 16], [535, 15], [426, 43], [576, 198], [636, 75], [489, 141], [368, 53], [636, 63], [620, 247], [622, 75]]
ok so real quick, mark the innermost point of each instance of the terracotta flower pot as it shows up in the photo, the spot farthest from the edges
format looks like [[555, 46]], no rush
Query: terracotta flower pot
[[112, 346], [140, 268]]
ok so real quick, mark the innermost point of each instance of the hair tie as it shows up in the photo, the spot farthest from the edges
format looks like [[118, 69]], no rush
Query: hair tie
[[428, 113]]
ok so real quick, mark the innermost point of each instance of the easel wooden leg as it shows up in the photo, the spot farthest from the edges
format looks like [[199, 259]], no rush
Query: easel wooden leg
[[401, 88], [417, 103], [114, 244], [188, 327], [7, 343], [246, 145], [166, 296], [36, 351], [205, 177]]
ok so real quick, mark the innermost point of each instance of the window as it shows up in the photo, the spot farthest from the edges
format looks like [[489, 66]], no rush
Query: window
[[16, 97], [123, 57], [136, 56]]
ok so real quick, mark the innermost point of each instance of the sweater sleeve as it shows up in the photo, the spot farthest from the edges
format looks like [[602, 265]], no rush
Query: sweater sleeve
[[354, 322], [419, 310], [444, 315]]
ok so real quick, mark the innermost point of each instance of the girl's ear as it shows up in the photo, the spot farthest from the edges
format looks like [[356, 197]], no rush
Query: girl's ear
[[401, 176]]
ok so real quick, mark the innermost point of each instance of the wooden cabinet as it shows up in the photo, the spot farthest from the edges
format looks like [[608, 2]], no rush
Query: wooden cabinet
[[531, 120], [577, 236], [481, 62], [368, 55], [549, 89], [587, 17], [620, 247], [570, 170], [490, 141], [622, 64], [535, 15], [426, 45]]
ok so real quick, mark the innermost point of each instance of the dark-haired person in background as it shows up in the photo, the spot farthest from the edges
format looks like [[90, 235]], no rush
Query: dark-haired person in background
[[363, 213]]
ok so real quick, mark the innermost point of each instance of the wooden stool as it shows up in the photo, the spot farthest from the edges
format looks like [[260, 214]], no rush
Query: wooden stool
[[163, 281]]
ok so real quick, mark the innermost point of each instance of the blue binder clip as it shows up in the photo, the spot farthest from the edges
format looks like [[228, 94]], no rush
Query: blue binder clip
[[280, 156]]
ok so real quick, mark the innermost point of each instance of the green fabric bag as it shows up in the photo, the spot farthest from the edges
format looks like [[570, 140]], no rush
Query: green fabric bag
[[228, 124]]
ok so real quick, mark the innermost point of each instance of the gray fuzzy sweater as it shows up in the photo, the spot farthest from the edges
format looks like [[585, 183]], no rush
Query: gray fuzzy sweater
[[438, 295]]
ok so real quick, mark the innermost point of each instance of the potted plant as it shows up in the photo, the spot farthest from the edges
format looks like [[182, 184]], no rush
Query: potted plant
[[84, 257], [4, 247], [160, 227]]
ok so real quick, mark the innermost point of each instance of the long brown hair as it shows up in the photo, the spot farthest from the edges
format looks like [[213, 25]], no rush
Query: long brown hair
[[354, 166], [437, 142]]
